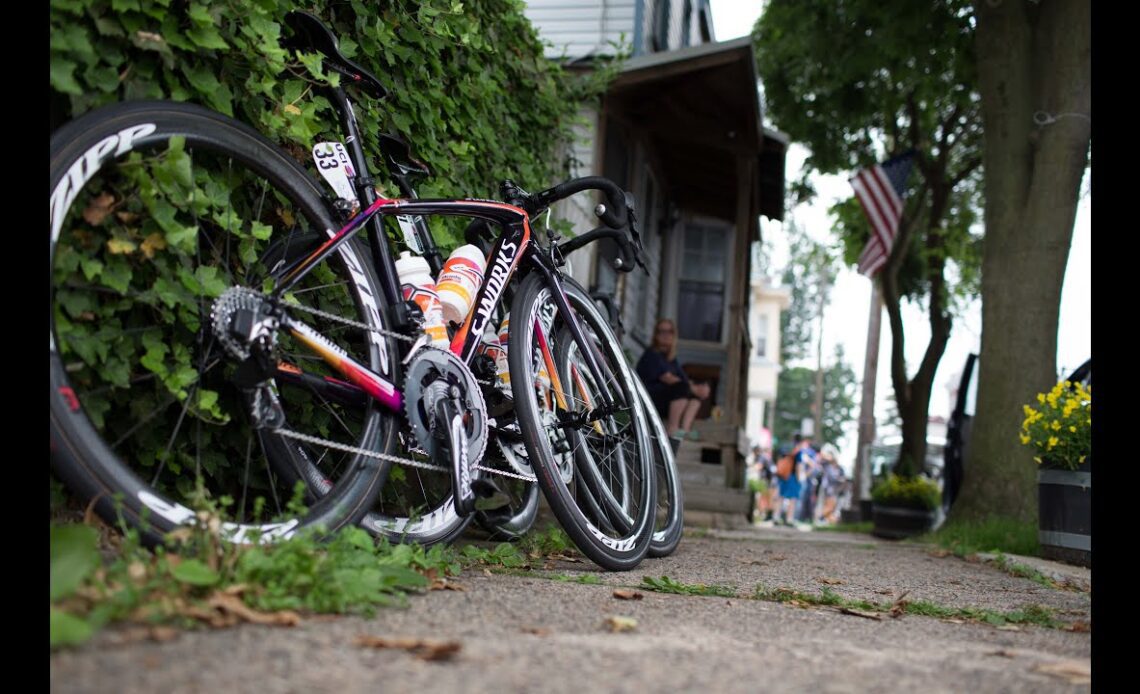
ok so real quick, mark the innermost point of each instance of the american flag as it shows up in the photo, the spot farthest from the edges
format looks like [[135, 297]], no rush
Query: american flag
[[880, 191]]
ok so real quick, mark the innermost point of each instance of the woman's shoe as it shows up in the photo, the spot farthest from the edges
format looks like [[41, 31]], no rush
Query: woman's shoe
[[680, 434], [694, 435]]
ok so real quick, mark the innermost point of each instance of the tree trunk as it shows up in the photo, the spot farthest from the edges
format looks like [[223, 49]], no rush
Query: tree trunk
[[1032, 59]]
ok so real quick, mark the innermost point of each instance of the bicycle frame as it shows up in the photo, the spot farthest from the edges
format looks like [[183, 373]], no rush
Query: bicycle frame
[[509, 250]]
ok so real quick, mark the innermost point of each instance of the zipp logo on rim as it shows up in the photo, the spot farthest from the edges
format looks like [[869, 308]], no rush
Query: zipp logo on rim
[[86, 166]]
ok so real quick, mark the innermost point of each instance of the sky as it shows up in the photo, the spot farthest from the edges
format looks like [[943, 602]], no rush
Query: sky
[[845, 319]]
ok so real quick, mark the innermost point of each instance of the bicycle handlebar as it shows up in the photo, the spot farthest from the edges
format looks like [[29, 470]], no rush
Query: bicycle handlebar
[[627, 258]]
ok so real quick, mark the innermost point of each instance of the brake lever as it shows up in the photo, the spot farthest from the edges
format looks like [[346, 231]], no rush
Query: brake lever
[[631, 218]]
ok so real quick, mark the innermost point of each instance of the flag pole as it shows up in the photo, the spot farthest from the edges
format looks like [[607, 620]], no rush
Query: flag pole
[[862, 476]]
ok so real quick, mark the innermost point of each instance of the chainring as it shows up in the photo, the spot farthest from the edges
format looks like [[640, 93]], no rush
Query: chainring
[[431, 365]]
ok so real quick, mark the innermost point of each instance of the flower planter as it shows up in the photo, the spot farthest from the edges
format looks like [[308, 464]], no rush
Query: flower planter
[[1064, 513], [897, 522]]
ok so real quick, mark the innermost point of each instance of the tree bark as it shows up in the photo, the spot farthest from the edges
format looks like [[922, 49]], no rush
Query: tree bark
[[1033, 58]]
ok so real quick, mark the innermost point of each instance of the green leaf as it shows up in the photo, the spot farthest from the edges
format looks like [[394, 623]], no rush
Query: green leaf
[[207, 37], [211, 281], [116, 275], [73, 557], [195, 573], [68, 630], [62, 77]]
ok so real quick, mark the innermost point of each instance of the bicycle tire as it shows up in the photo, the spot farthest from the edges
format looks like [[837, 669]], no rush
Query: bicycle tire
[[109, 170], [670, 499], [614, 533], [668, 527]]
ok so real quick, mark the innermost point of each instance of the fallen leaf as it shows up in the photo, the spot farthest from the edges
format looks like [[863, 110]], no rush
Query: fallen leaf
[[126, 217], [1079, 626], [236, 589], [291, 109], [778, 557], [899, 606], [628, 595], [144, 633], [137, 571], [621, 623], [939, 553], [861, 613], [1075, 671], [425, 649], [537, 631], [831, 581], [444, 584], [1009, 627], [98, 209], [1003, 653], [954, 621], [233, 605], [487, 573]]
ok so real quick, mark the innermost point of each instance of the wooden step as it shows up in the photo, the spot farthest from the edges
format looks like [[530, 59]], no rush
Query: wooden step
[[707, 497]]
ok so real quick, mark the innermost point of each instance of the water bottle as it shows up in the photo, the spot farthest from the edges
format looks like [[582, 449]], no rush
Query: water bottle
[[459, 279], [504, 371], [418, 286]]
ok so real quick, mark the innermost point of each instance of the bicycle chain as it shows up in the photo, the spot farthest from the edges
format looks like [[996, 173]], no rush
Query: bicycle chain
[[373, 454], [288, 433]]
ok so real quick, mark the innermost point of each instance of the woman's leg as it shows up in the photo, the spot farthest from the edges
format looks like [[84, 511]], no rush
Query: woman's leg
[[673, 423], [689, 412]]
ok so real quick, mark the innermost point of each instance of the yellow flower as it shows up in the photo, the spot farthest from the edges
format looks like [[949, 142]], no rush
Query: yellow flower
[[1053, 441], [1056, 425], [1073, 429], [1028, 410], [1024, 439], [1041, 398]]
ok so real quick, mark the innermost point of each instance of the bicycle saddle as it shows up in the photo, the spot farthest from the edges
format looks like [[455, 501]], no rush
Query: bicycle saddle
[[398, 156], [310, 33]]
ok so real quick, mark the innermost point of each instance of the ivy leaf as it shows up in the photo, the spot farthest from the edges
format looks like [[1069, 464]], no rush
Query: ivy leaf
[[62, 77], [119, 246], [207, 37], [152, 243], [116, 275]]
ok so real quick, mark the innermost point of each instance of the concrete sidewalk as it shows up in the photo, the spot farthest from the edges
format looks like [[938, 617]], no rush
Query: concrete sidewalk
[[544, 632]]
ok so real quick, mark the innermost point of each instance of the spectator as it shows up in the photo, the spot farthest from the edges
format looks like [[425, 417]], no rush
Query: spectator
[[831, 484], [676, 399]]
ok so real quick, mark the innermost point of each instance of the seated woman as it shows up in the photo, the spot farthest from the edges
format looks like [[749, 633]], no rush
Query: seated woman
[[677, 400]]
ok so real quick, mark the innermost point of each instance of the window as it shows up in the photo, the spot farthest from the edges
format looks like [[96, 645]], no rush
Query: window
[[762, 337], [660, 33], [686, 22], [700, 293]]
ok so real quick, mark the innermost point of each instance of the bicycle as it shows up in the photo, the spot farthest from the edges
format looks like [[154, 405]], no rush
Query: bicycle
[[201, 290]]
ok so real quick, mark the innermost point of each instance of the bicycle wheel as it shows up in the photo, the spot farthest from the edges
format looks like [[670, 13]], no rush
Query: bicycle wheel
[[607, 505], [158, 211], [670, 503]]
